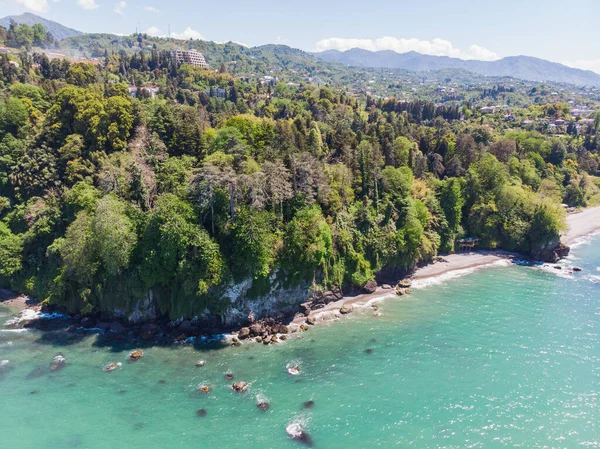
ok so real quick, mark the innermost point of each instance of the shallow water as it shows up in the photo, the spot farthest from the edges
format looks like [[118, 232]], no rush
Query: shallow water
[[503, 357]]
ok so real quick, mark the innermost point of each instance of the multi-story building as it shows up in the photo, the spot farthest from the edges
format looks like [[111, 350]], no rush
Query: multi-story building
[[192, 57]]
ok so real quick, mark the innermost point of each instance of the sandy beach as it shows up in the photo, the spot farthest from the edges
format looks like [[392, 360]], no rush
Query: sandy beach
[[581, 224]]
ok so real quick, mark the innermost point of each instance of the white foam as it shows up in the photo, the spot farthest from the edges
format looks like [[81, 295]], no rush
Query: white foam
[[297, 428], [594, 279], [436, 280], [29, 315], [584, 240], [15, 331], [566, 271]]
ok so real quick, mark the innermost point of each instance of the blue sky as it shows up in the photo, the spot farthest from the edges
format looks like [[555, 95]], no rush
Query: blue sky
[[470, 29]]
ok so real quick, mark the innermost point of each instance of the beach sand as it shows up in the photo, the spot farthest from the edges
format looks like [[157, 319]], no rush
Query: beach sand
[[582, 224]]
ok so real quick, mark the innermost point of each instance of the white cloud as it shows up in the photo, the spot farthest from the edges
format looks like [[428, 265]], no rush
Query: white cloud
[[120, 7], [156, 32], [151, 9], [34, 5], [435, 47], [188, 33], [88, 4], [585, 64], [232, 42]]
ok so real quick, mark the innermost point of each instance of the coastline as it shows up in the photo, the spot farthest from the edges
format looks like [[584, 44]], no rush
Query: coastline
[[581, 224]]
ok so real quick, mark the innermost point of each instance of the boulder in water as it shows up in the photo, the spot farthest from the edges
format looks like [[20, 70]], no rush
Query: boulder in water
[[58, 363], [244, 333], [257, 329], [204, 389], [311, 320], [229, 376], [346, 309], [405, 283], [112, 366], [200, 363], [240, 387], [296, 432], [263, 405], [577, 269], [136, 355], [294, 370]]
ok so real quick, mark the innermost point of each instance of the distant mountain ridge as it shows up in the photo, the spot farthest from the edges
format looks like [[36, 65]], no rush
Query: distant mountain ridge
[[523, 67], [57, 30]]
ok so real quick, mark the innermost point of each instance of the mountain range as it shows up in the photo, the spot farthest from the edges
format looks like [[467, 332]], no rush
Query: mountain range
[[523, 67], [57, 30]]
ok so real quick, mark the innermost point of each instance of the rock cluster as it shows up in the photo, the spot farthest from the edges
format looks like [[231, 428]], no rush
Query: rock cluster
[[319, 300], [266, 331]]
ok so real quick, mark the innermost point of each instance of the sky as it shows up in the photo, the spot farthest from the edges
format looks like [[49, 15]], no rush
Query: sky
[[469, 29]]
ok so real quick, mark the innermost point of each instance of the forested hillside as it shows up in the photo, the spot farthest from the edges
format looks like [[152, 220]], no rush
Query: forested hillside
[[205, 179]]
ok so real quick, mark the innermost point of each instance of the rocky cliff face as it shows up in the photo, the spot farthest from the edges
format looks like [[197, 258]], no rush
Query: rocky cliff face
[[243, 306], [552, 252]]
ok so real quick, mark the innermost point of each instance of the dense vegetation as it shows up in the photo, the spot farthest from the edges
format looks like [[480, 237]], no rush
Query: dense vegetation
[[105, 197]]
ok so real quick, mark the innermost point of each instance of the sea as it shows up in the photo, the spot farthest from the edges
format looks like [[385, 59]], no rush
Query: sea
[[506, 356]]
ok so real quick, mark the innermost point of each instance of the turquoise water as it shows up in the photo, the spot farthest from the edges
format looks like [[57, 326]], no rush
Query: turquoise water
[[504, 357]]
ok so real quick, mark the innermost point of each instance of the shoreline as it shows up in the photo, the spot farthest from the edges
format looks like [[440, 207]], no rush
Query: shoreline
[[443, 265], [581, 224]]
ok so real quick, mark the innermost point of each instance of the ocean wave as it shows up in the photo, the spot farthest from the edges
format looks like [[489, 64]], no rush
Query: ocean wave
[[564, 272], [594, 279], [30, 315], [14, 331], [449, 275], [584, 240]]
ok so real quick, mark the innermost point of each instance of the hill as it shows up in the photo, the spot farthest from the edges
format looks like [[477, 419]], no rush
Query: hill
[[523, 67], [57, 30]]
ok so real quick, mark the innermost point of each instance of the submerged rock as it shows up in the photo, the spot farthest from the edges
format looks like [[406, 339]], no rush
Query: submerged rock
[[308, 404], [5, 367], [201, 412], [58, 363], [37, 372], [240, 387]]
